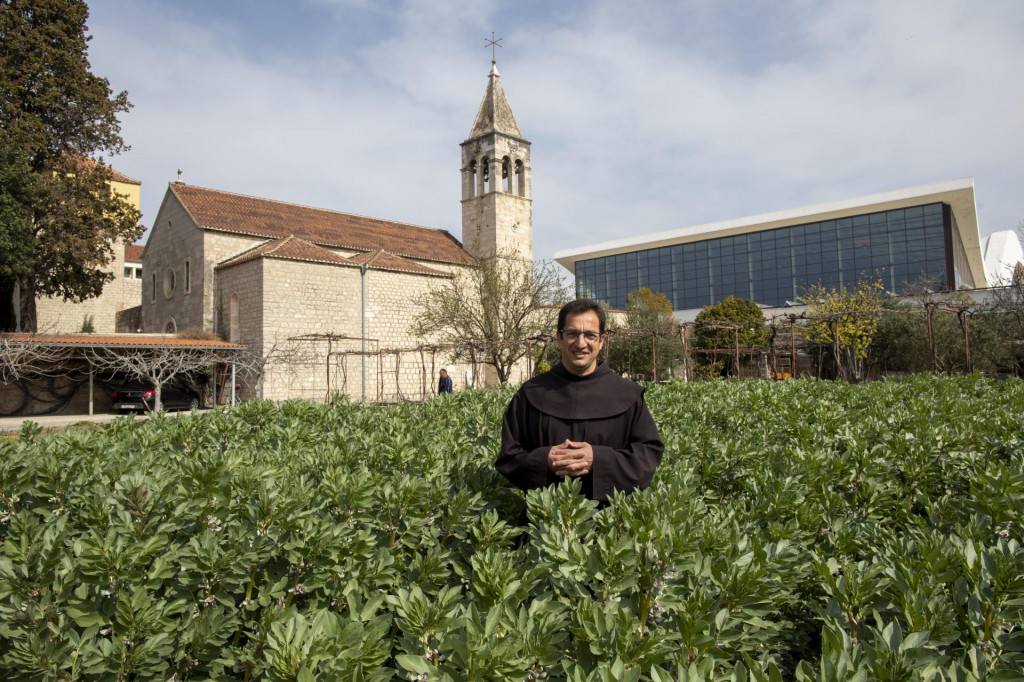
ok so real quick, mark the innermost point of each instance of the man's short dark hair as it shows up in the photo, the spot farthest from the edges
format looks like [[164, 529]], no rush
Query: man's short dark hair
[[578, 307]]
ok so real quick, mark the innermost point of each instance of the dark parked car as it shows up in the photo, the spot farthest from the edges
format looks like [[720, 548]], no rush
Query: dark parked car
[[139, 395]]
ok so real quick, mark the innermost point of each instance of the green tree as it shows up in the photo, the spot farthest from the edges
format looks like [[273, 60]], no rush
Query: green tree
[[724, 325], [649, 344], [19, 188], [901, 342], [845, 321], [56, 117], [491, 311]]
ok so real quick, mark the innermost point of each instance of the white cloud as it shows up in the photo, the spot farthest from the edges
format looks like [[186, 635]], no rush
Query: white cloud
[[644, 116]]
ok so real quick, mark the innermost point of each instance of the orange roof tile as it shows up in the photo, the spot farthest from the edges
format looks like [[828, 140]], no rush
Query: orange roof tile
[[120, 341], [240, 214], [382, 260], [118, 176], [289, 248], [295, 248], [133, 252], [115, 175]]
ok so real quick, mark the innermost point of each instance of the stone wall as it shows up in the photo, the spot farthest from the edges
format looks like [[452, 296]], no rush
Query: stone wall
[[176, 245], [55, 315], [269, 322], [170, 300]]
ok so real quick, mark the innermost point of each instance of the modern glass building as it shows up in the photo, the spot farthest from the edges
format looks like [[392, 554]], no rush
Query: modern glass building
[[923, 234]]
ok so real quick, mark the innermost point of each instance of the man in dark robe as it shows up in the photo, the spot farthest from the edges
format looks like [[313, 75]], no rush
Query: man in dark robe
[[580, 419]]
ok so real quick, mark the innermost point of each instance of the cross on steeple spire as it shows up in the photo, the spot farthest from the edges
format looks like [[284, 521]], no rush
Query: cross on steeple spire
[[492, 43]]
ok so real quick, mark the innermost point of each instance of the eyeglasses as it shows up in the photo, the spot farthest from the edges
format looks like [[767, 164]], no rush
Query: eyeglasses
[[572, 335]]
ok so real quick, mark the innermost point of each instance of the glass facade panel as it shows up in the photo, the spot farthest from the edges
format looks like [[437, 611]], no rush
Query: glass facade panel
[[902, 247]]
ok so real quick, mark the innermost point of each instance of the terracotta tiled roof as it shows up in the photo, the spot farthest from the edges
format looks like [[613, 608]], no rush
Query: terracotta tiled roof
[[118, 176], [382, 260], [294, 248], [133, 252], [289, 248], [115, 175], [239, 214], [120, 340]]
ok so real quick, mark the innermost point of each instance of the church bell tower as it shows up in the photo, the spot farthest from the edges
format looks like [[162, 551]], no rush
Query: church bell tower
[[497, 211]]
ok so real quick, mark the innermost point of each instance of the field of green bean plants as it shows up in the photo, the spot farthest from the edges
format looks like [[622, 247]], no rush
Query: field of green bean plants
[[799, 530]]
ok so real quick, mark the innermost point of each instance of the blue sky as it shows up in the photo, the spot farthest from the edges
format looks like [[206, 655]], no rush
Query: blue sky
[[644, 116]]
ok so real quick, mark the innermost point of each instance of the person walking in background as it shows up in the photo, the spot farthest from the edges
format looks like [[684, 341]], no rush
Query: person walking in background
[[444, 384]]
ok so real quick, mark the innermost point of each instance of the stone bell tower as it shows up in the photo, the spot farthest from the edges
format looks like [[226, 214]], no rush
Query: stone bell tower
[[497, 210]]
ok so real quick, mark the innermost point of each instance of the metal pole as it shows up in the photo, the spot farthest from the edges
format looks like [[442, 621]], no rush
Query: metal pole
[[686, 357], [967, 339], [91, 371], [362, 320], [931, 337], [736, 338], [792, 348], [233, 382], [654, 355]]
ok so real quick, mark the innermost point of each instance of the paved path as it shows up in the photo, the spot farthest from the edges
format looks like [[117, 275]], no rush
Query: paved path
[[9, 424]]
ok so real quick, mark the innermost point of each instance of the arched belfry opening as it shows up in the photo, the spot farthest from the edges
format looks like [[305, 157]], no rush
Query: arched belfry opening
[[520, 189], [472, 170], [506, 175]]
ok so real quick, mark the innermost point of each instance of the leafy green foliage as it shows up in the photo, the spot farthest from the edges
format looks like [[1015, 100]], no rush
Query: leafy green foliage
[[723, 326], [649, 345], [844, 320], [55, 117], [796, 530]]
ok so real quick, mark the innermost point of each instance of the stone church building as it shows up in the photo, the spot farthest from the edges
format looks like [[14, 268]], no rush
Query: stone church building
[[326, 298]]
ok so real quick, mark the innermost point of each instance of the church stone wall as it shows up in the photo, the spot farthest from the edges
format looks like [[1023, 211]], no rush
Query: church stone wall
[[332, 299], [245, 280], [173, 240], [218, 247]]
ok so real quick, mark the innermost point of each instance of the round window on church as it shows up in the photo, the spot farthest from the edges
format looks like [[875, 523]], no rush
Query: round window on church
[[169, 282]]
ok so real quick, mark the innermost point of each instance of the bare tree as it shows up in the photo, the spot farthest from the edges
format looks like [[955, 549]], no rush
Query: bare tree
[[493, 308], [285, 356], [159, 364], [26, 356]]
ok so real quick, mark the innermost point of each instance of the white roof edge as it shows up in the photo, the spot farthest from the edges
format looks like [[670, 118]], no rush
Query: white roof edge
[[786, 214]]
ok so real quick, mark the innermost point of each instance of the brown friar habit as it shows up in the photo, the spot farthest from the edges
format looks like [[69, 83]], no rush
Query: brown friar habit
[[601, 409]]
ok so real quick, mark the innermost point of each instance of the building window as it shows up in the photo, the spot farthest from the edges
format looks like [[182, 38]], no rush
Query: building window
[[233, 319], [153, 289], [128, 272], [188, 276], [171, 327], [902, 247], [138, 273], [169, 282]]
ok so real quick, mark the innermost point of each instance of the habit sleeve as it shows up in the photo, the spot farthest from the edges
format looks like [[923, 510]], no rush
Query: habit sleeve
[[523, 463], [631, 467]]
